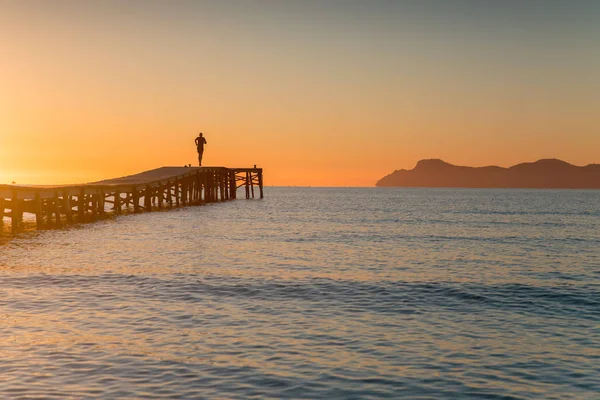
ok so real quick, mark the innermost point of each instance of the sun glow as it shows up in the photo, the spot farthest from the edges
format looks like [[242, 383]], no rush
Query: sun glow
[[80, 103]]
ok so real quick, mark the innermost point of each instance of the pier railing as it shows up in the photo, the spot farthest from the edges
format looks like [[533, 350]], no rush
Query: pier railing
[[166, 187]]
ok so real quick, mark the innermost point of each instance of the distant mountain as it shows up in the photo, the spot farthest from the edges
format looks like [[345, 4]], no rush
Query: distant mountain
[[548, 173]]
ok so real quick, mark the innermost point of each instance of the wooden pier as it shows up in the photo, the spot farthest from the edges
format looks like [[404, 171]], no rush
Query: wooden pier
[[158, 189]]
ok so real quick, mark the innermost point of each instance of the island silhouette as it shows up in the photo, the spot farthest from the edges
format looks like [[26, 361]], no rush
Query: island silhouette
[[542, 174]]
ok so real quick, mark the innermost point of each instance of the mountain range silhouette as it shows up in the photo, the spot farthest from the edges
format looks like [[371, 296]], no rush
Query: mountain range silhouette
[[542, 174]]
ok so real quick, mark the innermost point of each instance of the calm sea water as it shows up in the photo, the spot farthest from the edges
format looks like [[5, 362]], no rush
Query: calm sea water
[[312, 293]]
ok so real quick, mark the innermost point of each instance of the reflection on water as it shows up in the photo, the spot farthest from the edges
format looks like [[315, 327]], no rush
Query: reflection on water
[[312, 293]]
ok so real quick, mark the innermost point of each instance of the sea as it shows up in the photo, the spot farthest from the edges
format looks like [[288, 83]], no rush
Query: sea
[[312, 293]]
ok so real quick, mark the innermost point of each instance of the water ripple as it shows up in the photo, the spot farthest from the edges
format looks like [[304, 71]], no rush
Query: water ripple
[[406, 293]]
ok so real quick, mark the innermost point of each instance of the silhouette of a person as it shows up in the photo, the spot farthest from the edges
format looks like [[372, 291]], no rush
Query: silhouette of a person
[[200, 142]]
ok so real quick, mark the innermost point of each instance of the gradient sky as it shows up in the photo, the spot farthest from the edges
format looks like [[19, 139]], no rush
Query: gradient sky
[[318, 92]]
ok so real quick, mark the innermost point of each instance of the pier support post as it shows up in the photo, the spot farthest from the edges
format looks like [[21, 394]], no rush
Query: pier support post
[[56, 208], [39, 216], [232, 185], [225, 185], [224, 191], [148, 199], [135, 196], [81, 205], [101, 203], [160, 195], [68, 208], [247, 185], [203, 187], [15, 212], [117, 202], [169, 194], [136, 199], [198, 187], [215, 185], [220, 186], [208, 187], [260, 183], [93, 206]]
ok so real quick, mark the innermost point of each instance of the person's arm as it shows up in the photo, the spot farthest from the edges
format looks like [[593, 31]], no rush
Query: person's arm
[[196, 141], [204, 140]]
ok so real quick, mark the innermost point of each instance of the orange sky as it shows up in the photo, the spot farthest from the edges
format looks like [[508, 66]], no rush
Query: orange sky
[[321, 94]]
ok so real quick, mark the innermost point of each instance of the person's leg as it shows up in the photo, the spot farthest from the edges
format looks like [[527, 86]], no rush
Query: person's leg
[[200, 158]]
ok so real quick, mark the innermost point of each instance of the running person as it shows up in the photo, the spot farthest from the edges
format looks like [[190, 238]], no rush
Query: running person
[[200, 142]]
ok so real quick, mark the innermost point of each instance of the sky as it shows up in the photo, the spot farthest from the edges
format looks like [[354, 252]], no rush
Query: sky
[[317, 92]]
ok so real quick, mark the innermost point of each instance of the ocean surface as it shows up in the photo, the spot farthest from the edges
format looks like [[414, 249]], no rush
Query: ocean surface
[[312, 293]]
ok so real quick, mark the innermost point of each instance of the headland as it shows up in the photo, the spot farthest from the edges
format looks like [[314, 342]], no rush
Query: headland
[[542, 174]]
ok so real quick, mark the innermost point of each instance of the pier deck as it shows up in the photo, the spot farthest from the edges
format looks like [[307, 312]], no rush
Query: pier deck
[[166, 187]]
